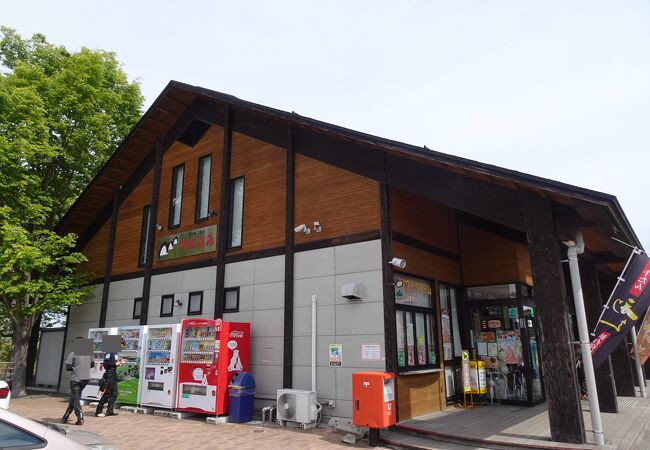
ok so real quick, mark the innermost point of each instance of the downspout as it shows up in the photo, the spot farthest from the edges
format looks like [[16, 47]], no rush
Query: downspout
[[576, 248], [314, 299]]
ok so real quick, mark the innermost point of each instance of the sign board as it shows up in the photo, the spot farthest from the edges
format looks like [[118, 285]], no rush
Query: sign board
[[630, 300], [477, 379], [466, 379], [412, 291], [513, 313], [187, 243], [335, 355], [643, 340]]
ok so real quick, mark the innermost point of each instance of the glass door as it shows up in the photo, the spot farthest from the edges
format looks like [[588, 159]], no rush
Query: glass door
[[451, 346]]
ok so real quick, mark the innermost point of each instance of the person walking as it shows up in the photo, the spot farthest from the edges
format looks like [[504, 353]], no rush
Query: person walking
[[80, 366], [109, 384]]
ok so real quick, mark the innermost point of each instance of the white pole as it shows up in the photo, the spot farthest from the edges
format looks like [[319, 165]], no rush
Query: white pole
[[583, 331], [637, 363], [314, 299]]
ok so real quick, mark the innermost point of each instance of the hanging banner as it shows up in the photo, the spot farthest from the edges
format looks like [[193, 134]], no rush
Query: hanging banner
[[629, 302], [643, 340]]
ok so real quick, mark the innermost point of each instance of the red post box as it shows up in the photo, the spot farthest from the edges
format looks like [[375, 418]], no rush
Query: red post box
[[373, 399]]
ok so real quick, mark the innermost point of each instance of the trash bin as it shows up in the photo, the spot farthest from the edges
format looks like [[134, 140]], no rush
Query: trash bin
[[241, 392]]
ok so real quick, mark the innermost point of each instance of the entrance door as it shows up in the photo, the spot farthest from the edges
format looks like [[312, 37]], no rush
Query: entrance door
[[504, 336], [451, 346]]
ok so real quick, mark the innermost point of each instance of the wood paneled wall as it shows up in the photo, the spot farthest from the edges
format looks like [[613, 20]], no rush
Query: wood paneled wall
[[95, 251], [424, 264], [177, 154], [129, 224], [424, 220], [343, 202], [420, 394], [490, 259], [263, 167]]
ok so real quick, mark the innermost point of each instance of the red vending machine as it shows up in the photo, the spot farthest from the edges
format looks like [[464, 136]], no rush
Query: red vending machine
[[211, 352]]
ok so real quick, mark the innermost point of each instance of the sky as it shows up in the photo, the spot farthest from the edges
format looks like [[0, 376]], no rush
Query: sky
[[556, 89]]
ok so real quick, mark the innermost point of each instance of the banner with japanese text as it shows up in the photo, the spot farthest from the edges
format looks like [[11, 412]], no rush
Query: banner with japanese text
[[187, 243], [629, 302]]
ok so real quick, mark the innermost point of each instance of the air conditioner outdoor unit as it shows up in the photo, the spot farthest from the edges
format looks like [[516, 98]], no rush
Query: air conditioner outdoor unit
[[295, 405]]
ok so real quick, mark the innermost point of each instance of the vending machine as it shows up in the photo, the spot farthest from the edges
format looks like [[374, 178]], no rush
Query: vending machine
[[91, 391], [128, 374], [158, 387], [211, 352]]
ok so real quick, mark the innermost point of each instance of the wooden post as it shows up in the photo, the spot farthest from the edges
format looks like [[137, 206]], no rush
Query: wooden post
[[558, 359], [287, 373], [108, 268], [593, 306], [151, 236], [224, 214]]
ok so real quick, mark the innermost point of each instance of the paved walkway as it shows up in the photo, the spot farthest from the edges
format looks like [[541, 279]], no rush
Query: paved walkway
[[523, 427], [145, 431]]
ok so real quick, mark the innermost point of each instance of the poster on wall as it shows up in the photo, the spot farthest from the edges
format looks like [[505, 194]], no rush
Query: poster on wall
[[467, 387], [509, 347], [370, 352], [335, 355]]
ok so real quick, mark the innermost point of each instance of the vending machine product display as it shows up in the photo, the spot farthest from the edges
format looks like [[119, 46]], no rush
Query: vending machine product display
[[158, 386], [91, 391], [128, 375], [211, 352]]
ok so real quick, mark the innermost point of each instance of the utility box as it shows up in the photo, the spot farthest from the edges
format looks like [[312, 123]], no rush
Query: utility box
[[373, 399]]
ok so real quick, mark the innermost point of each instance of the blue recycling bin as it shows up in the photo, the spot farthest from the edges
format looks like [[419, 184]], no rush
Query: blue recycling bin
[[241, 392]]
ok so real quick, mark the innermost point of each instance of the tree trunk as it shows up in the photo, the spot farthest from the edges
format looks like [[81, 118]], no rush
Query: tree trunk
[[31, 350], [22, 333]]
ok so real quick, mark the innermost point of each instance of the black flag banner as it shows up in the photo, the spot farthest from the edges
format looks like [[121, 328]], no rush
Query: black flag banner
[[629, 302]]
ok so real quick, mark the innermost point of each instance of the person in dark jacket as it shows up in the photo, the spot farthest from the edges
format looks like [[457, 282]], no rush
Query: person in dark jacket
[[109, 385], [80, 366]]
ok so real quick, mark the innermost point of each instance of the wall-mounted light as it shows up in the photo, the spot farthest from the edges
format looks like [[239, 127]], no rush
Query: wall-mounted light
[[159, 227], [398, 262], [317, 227], [212, 213], [302, 228]]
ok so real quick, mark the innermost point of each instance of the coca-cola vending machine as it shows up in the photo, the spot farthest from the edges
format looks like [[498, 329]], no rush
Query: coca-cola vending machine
[[211, 352]]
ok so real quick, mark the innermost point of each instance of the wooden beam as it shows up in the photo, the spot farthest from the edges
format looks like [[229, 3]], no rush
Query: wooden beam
[[287, 370], [224, 213], [558, 359], [151, 236], [108, 268]]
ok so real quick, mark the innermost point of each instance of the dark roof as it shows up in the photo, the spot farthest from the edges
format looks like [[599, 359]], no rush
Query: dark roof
[[177, 97]]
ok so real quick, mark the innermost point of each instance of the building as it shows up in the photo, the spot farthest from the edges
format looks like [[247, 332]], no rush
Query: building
[[274, 207]]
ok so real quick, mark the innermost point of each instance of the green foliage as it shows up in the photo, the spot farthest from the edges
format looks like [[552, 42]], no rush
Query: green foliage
[[62, 114]]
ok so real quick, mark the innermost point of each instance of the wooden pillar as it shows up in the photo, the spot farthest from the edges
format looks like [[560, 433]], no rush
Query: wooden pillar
[[151, 236], [620, 357], [593, 306], [558, 361], [224, 214], [287, 371], [108, 268]]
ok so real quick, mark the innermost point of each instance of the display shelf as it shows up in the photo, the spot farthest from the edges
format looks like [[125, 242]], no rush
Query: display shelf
[[161, 338], [198, 338], [203, 352]]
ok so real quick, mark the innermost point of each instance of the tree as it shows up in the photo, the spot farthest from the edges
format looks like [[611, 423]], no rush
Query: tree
[[62, 114]]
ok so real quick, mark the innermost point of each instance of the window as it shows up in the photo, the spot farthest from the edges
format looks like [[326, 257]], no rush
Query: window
[[13, 437], [236, 212], [451, 346], [203, 188], [137, 308], [193, 133], [417, 336], [167, 306], [144, 235], [231, 300], [176, 200], [195, 305]]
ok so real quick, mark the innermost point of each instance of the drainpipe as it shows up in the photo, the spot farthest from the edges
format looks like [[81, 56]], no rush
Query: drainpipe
[[314, 299], [637, 363], [576, 248]]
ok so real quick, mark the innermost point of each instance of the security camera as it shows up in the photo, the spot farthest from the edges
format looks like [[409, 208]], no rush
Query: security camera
[[398, 262], [178, 302], [302, 227]]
